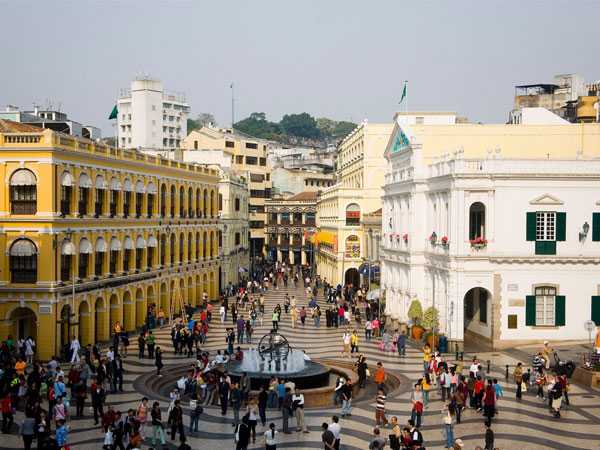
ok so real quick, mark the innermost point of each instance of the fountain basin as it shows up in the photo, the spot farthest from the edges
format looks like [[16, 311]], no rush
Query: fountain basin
[[312, 375]]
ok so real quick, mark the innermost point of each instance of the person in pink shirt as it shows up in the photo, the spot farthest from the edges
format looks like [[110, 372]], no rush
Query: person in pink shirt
[[375, 324]]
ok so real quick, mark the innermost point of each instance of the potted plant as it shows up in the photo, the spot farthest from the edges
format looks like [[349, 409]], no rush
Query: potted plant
[[405, 238], [431, 321], [433, 238], [478, 243], [444, 241], [415, 314]]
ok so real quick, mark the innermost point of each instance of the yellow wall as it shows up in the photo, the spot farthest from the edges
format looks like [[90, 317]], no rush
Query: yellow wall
[[33, 307]]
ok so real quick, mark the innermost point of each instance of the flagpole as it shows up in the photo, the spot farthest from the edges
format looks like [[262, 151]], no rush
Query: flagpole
[[406, 98], [232, 106]]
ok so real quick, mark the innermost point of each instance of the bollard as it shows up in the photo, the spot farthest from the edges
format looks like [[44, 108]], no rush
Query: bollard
[[507, 372], [488, 366]]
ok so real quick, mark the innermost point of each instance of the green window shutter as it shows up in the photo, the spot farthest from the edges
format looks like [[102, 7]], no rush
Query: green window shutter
[[531, 226], [530, 310], [545, 247], [559, 311], [596, 226], [596, 309], [561, 226]]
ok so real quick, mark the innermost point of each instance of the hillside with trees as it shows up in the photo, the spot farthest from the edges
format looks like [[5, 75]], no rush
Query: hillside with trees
[[292, 129]]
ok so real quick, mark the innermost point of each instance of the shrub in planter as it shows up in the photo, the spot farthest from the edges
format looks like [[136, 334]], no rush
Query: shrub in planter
[[415, 314]]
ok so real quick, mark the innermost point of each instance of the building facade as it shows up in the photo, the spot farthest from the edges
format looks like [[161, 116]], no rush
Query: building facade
[[93, 235], [496, 226], [295, 181], [150, 117], [291, 223], [248, 157], [360, 175], [233, 215]]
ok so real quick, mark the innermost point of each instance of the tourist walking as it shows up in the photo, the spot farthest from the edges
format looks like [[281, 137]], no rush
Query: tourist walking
[[158, 361], [252, 417], [336, 429], [158, 430], [380, 419], [176, 421], [242, 434], [416, 399], [447, 422], [489, 402], [518, 379], [286, 410], [378, 442], [346, 394], [346, 344], [327, 437], [271, 437]]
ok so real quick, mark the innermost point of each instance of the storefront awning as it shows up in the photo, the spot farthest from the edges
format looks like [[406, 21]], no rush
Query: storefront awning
[[324, 237]]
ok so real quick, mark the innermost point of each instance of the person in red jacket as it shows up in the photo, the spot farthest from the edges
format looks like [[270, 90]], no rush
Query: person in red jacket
[[7, 416], [478, 392]]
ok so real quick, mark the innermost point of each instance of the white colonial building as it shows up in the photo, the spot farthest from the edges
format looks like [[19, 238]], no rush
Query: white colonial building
[[497, 226]]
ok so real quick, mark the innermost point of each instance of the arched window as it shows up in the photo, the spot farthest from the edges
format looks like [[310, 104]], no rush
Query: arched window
[[127, 249], [352, 247], [190, 202], [163, 201], [101, 249], [181, 248], [113, 201], [163, 250], [23, 192], [213, 204], [189, 247], [172, 201], [204, 245], [140, 190], [181, 202], [23, 261], [85, 250], [352, 214], [477, 221], [205, 198], [197, 246], [100, 191], [115, 248], [172, 249], [140, 245], [66, 193], [198, 203], [128, 188], [152, 243], [67, 252], [151, 199]]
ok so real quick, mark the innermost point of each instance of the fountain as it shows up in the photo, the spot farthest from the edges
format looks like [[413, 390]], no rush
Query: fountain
[[274, 357]]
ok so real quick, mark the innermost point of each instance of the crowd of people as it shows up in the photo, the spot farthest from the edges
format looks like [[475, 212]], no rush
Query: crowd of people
[[49, 397]]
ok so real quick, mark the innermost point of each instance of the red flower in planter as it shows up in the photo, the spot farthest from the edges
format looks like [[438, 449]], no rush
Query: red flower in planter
[[444, 240], [405, 237]]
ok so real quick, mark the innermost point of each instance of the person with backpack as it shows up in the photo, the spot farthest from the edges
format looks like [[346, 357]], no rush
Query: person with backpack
[[414, 435]]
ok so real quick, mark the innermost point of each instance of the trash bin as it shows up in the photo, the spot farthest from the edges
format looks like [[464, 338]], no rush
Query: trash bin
[[443, 344]]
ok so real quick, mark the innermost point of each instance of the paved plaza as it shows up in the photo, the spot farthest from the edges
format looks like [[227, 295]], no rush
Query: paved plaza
[[519, 425]]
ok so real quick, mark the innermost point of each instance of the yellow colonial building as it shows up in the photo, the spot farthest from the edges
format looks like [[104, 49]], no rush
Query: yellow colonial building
[[341, 240], [94, 235]]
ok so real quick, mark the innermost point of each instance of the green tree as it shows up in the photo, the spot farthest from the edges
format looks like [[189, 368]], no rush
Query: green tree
[[258, 126], [342, 129], [300, 125]]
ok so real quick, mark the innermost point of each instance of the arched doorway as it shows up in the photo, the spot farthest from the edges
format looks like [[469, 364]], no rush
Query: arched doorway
[[211, 288], [65, 329], [190, 289], [477, 318], [352, 277], [182, 291], [128, 312], [204, 285], [164, 299], [23, 324], [140, 308], [101, 327], [85, 335], [198, 290], [115, 312]]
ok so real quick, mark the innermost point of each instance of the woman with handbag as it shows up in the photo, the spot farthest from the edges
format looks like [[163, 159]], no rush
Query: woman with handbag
[[416, 399]]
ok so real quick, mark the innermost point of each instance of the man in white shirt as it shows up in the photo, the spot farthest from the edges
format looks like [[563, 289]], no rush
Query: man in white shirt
[[474, 368], [336, 429], [298, 406], [75, 347]]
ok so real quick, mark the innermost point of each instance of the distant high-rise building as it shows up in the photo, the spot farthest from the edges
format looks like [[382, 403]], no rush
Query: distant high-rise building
[[150, 117]]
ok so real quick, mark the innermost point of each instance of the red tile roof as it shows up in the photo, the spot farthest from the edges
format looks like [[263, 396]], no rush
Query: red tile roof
[[8, 126], [305, 196]]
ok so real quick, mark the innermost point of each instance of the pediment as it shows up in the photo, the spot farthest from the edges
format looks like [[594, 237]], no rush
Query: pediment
[[546, 199]]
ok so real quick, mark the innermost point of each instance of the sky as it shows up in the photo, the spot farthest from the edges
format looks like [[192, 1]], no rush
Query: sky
[[343, 59]]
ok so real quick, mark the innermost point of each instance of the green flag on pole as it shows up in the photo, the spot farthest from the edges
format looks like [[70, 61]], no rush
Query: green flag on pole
[[114, 113], [403, 94]]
